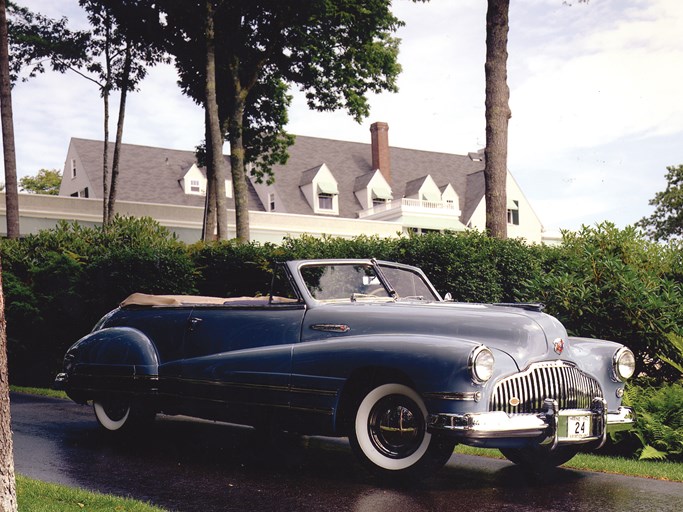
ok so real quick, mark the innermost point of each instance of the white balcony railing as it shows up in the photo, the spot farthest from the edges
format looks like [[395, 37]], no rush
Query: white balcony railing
[[412, 205]]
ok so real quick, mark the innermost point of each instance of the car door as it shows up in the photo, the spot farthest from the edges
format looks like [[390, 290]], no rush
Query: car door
[[239, 355]]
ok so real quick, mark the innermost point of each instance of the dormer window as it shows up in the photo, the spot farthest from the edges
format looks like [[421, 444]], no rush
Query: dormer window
[[320, 190], [73, 168], [372, 190], [194, 186]]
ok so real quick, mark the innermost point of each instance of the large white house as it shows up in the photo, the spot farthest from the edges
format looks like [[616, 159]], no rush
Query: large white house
[[327, 186]]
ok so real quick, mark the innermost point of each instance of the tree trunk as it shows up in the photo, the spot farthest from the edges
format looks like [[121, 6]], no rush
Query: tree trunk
[[8, 490], [214, 127], [10, 157], [209, 229], [497, 117], [106, 88], [237, 167], [125, 79]]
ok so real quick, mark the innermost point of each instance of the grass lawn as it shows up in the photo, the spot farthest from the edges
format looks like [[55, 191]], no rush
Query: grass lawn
[[659, 470], [36, 496], [53, 393]]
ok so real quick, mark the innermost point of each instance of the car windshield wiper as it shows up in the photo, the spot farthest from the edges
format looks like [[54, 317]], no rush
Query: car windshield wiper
[[383, 278]]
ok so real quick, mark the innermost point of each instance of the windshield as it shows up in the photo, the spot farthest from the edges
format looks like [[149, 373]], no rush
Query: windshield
[[361, 282]]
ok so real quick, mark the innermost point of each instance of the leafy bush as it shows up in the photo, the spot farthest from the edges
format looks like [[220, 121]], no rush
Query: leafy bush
[[230, 268], [659, 421], [613, 284], [61, 281]]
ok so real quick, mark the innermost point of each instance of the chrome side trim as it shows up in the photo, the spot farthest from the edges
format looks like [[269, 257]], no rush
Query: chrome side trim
[[467, 396]]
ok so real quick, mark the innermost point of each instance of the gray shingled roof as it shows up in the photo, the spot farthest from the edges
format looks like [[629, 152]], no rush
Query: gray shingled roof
[[151, 175], [146, 174], [350, 163]]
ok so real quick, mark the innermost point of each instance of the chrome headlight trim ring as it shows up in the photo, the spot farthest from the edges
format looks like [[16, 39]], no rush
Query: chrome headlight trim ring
[[623, 364], [481, 364]]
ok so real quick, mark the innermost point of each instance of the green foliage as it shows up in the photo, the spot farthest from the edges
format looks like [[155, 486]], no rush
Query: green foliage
[[230, 268], [47, 181], [59, 282], [659, 421], [666, 221], [613, 284], [35, 40]]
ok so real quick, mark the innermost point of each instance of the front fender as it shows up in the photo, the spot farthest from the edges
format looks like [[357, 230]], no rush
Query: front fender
[[596, 357], [436, 366]]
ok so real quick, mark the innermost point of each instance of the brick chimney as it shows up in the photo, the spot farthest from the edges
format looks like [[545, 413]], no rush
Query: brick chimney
[[380, 149]]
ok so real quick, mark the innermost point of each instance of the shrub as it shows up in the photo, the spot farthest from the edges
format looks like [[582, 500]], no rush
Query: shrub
[[60, 281], [612, 284], [659, 422]]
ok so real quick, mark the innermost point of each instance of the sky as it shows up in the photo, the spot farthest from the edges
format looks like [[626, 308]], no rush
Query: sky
[[595, 94]]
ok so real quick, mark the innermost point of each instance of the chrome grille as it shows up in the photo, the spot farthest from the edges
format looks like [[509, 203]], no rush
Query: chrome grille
[[556, 380]]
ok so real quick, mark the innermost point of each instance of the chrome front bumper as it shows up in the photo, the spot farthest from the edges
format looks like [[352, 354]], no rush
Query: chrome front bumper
[[551, 425]]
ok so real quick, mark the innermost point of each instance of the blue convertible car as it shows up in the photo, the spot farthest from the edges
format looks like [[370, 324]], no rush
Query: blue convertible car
[[360, 348]]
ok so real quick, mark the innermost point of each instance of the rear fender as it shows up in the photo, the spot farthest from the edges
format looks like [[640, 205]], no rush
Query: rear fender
[[117, 359]]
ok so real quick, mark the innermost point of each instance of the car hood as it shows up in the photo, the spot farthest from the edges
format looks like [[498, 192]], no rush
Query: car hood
[[526, 336]]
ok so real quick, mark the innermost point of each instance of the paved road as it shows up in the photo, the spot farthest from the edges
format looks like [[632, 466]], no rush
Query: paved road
[[185, 465]]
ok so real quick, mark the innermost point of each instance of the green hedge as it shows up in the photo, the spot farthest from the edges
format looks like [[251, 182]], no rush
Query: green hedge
[[58, 283], [602, 282]]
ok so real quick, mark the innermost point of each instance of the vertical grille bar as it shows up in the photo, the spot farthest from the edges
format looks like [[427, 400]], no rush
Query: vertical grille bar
[[556, 380]]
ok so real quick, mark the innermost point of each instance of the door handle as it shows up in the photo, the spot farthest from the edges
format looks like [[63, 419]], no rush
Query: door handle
[[194, 323]]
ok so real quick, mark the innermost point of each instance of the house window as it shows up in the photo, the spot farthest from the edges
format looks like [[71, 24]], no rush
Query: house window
[[513, 214], [271, 202], [194, 186], [376, 201], [73, 168], [84, 193], [325, 201]]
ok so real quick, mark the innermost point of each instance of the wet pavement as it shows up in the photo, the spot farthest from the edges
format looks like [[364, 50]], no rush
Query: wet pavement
[[187, 465]]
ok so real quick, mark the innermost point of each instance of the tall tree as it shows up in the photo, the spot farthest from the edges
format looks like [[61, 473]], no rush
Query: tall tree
[[106, 56], [497, 116], [666, 221], [336, 52], [123, 64], [8, 490], [9, 154]]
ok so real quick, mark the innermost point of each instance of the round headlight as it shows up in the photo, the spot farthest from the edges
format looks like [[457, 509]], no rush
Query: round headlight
[[624, 364], [481, 364]]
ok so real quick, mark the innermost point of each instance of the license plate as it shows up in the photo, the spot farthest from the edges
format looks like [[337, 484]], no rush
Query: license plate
[[578, 427]]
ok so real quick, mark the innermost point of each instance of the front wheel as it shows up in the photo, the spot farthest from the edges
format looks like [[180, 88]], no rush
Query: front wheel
[[119, 414], [390, 435], [538, 458]]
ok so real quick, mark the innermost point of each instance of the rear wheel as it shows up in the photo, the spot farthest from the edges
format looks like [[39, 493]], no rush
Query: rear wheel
[[539, 457], [389, 433], [120, 414]]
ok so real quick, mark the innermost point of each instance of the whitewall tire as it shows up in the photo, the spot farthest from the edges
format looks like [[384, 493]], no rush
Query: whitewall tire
[[389, 432]]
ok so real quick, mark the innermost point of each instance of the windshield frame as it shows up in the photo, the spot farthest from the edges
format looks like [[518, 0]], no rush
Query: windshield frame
[[378, 267]]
